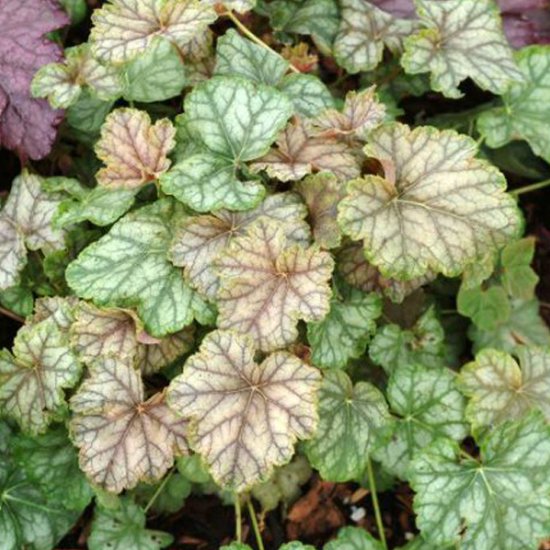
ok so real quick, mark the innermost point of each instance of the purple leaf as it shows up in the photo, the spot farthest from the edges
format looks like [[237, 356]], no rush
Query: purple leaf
[[399, 8], [519, 7], [27, 125], [532, 27]]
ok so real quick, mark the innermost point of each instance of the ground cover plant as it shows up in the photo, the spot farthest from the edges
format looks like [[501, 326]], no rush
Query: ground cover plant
[[273, 274]]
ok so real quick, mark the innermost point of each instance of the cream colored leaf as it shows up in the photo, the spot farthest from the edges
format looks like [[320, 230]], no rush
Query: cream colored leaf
[[245, 417], [361, 113], [500, 390], [322, 193], [150, 358], [364, 31], [60, 309], [300, 153], [123, 437], [98, 333], [33, 379], [201, 239], [268, 284], [13, 255], [438, 208], [124, 28], [134, 150], [461, 39]]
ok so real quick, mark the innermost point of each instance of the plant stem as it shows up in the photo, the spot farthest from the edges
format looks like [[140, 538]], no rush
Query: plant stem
[[158, 491], [238, 519], [249, 34], [255, 526], [532, 187], [11, 315], [376, 506]]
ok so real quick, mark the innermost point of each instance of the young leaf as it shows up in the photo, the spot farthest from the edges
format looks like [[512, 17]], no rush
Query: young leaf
[[123, 438], [27, 125], [525, 106], [349, 417], [518, 278], [62, 83], [322, 193], [267, 284], [128, 267], [208, 180], [344, 333], [245, 417], [32, 380], [171, 497], [353, 538], [499, 390], [51, 463], [461, 39], [134, 150], [363, 33], [393, 347], [438, 208], [500, 501], [125, 28], [300, 153], [524, 327], [156, 74], [361, 114], [123, 528], [428, 406], [486, 308], [237, 56], [201, 239]]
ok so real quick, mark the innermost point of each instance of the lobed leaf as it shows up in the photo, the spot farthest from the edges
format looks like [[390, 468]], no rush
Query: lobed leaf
[[461, 39], [500, 390], [245, 417], [349, 419], [123, 438], [33, 379], [437, 209], [267, 284], [122, 29], [134, 150]]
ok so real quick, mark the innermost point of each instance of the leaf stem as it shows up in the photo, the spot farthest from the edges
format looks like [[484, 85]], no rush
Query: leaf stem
[[11, 315], [249, 34], [238, 519], [158, 491], [532, 187], [376, 506], [255, 526]]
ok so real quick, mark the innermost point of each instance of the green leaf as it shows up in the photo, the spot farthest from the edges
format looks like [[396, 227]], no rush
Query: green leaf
[[486, 308], [525, 106], [122, 29], [437, 208], [18, 299], [268, 283], [156, 74], [428, 406], [461, 39], [497, 503], [353, 538], [76, 10], [345, 332], [424, 343], [219, 391], [123, 528], [50, 461], [524, 327], [349, 418], [170, 499], [499, 390], [296, 545], [308, 94], [28, 518], [518, 278], [364, 31], [208, 181], [87, 115], [123, 437], [33, 379], [200, 240], [236, 546], [129, 267], [237, 56]]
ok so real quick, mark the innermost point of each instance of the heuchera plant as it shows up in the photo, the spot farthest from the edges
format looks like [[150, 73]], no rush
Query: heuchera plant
[[270, 242]]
